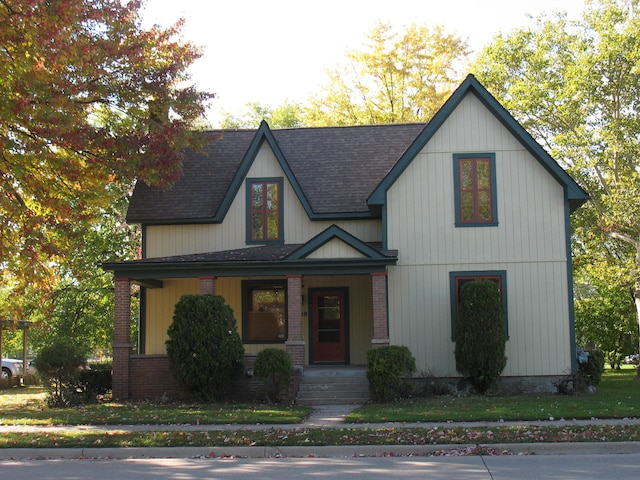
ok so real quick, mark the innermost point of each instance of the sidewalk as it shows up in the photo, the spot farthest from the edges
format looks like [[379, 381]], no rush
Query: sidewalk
[[325, 416]]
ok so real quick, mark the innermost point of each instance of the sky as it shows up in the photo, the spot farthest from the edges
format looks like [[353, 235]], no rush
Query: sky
[[272, 51]]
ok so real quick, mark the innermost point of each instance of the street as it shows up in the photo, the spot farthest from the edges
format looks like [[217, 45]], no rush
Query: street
[[566, 467]]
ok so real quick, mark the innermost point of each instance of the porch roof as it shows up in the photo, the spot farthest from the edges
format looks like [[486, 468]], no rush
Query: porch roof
[[253, 261]]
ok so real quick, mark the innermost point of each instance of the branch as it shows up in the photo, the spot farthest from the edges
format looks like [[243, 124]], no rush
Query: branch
[[628, 239]]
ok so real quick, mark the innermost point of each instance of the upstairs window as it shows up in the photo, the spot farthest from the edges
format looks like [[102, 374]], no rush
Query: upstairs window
[[475, 189], [264, 210]]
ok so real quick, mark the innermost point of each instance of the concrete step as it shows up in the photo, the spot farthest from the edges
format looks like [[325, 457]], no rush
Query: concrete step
[[333, 386]]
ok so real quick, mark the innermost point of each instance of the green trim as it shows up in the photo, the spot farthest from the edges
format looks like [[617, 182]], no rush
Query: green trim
[[248, 205], [572, 313], [329, 234], [456, 189], [573, 192], [476, 273]]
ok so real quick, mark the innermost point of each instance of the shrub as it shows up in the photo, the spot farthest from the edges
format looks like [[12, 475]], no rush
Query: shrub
[[274, 366], [480, 336], [387, 368], [94, 383], [593, 368], [204, 348], [58, 366]]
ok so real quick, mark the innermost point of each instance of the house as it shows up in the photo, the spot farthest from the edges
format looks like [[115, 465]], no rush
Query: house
[[330, 241]]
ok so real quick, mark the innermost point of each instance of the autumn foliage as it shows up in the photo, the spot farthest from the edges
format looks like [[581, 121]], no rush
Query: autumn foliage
[[91, 101]]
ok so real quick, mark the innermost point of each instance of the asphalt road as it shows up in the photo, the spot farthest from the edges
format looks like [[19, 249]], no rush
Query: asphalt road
[[566, 467]]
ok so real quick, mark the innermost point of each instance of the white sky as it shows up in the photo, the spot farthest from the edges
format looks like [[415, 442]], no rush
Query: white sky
[[269, 51]]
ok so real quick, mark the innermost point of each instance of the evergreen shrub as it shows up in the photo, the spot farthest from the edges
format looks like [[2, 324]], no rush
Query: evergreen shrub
[[274, 366], [480, 335], [204, 348], [387, 369]]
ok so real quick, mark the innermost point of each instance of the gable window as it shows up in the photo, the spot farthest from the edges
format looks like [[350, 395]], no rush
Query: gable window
[[264, 311], [475, 189], [459, 279], [264, 210]]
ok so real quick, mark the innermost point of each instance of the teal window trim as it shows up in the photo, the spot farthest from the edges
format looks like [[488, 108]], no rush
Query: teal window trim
[[248, 337], [454, 281], [475, 221], [250, 212]]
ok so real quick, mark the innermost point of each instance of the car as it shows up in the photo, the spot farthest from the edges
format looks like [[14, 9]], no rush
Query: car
[[632, 359], [11, 367]]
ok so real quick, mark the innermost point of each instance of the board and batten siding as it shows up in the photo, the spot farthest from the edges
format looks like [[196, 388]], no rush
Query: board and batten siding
[[168, 240], [529, 244]]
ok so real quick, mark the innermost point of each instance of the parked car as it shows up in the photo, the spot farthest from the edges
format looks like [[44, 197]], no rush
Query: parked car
[[632, 359], [11, 367]]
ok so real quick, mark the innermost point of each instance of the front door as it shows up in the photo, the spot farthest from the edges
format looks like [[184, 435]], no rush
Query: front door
[[328, 326]]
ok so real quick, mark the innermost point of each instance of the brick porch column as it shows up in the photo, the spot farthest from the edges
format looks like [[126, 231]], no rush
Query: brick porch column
[[380, 320], [295, 342], [122, 339], [207, 285]]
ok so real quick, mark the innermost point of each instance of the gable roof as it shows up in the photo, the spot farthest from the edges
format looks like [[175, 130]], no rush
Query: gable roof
[[336, 172], [332, 170], [573, 192]]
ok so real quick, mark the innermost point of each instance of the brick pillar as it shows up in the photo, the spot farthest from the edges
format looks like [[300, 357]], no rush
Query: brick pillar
[[207, 285], [122, 341], [380, 320], [295, 343]]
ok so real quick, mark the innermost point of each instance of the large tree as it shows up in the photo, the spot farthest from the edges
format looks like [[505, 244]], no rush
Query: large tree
[[576, 87], [90, 100], [397, 77]]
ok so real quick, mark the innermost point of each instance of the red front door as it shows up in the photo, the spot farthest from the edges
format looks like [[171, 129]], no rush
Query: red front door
[[329, 326]]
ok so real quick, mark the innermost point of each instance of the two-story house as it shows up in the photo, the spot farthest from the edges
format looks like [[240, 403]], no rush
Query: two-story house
[[330, 241]]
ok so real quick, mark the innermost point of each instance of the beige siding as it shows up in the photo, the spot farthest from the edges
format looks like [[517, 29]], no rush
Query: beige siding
[[336, 249], [231, 234], [529, 244]]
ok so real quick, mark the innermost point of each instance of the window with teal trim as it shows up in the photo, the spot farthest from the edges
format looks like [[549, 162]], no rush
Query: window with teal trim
[[475, 189], [264, 210], [458, 279]]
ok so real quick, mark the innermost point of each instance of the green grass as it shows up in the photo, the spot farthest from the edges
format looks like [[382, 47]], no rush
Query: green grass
[[25, 406], [617, 396]]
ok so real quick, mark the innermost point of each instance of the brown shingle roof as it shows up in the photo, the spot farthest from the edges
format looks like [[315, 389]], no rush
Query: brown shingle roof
[[336, 168]]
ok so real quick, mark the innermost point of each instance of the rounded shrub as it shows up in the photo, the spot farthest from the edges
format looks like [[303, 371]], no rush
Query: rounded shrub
[[58, 366], [274, 366], [593, 368], [387, 369], [480, 335], [204, 348]]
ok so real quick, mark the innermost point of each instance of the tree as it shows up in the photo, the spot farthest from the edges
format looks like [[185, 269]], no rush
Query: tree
[[287, 115], [396, 78], [576, 87], [480, 335], [204, 348], [90, 99]]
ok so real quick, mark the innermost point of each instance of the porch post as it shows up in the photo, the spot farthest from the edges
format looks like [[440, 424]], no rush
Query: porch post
[[122, 340], [207, 285], [380, 319], [295, 342]]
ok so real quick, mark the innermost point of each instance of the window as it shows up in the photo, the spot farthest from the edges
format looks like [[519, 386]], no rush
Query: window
[[264, 311], [264, 206], [475, 189], [459, 279]]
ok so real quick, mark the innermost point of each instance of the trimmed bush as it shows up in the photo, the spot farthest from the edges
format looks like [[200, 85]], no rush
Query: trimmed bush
[[593, 368], [58, 367], [480, 335], [387, 369], [204, 348], [274, 366]]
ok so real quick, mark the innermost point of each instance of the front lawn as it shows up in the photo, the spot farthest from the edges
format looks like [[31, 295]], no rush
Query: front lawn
[[617, 396]]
